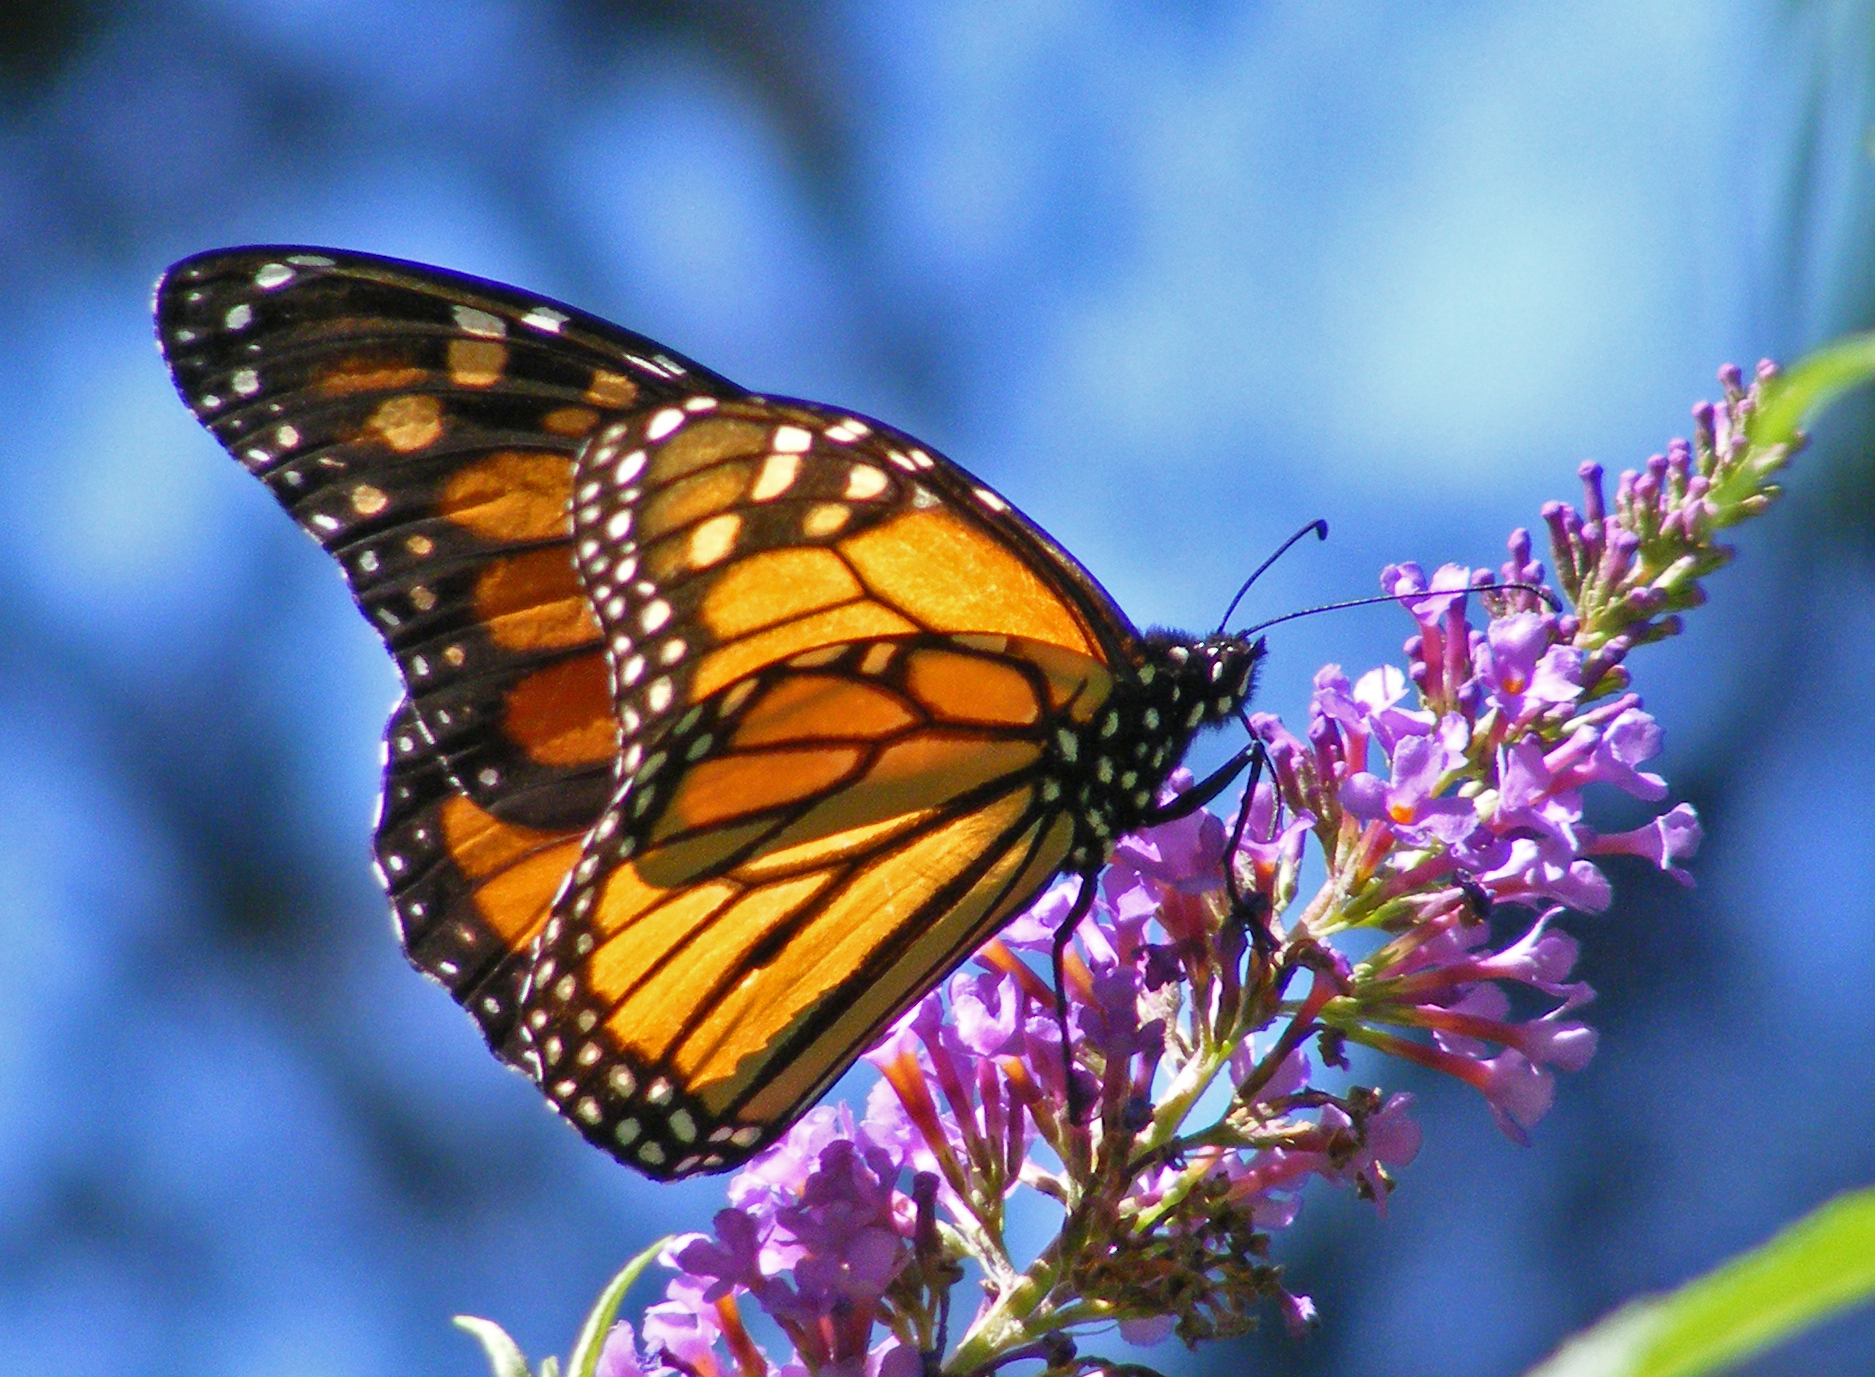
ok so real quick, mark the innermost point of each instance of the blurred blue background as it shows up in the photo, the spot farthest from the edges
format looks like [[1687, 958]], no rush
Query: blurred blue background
[[1176, 278]]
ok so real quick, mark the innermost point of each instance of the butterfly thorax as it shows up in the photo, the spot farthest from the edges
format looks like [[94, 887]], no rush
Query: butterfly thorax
[[1115, 767]]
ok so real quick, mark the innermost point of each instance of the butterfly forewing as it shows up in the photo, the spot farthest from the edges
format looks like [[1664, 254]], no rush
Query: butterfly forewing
[[423, 427], [716, 538]]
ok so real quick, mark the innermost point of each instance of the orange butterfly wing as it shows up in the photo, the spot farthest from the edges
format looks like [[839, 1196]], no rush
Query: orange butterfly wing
[[843, 828]]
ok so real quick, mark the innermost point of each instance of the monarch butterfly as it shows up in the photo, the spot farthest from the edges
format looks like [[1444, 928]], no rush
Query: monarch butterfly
[[731, 723]]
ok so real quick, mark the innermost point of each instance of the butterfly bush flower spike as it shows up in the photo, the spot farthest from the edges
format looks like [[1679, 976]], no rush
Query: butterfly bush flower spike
[[1209, 1008]]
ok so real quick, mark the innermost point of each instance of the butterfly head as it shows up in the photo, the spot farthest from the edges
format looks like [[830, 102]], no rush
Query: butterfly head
[[1198, 682]]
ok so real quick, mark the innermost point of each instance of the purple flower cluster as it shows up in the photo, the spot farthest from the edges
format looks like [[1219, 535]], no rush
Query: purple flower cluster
[[818, 1237], [1431, 817], [1205, 995]]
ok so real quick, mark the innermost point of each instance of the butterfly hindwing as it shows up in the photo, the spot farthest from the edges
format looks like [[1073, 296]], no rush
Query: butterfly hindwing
[[797, 860], [423, 427], [469, 892]]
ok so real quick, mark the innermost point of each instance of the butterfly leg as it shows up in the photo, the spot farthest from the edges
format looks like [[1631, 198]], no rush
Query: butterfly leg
[[1205, 789], [1064, 934], [1252, 909]]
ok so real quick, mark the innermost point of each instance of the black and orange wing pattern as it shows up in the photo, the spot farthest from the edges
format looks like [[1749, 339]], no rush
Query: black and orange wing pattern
[[732, 723], [423, 429]]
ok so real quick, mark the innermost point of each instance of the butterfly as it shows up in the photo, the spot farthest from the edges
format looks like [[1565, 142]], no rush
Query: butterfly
[[731, 724]]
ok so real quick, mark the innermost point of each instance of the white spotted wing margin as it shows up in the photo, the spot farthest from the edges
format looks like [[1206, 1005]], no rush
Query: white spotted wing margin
[[421, 425], [443, 932]]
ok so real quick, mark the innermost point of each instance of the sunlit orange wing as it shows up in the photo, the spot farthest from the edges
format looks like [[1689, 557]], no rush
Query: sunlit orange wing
[[798, 859], [718, 537]]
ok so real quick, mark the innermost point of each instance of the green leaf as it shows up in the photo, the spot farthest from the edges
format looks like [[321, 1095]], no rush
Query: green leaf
[[504, 1356], [1810, 384], [586, 1348], [1822, 1264]]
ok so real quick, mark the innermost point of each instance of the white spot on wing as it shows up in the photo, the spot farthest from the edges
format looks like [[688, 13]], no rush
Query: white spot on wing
[[473, 322], [713, 539], [865, 481], [545, 318], [273, 275], [777, 476]]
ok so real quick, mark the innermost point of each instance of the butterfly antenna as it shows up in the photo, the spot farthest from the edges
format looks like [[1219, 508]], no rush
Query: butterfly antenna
[[1318, 526], [1550, 600]]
